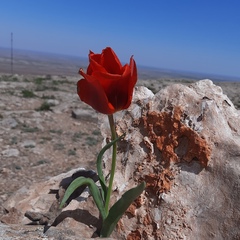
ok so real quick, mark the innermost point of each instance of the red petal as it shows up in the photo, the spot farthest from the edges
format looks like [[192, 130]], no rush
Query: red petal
[[110, 61], [94, 66], [93, 94], [133, 69], [108, 81], [94, 63], [118, 88], [132, 82]]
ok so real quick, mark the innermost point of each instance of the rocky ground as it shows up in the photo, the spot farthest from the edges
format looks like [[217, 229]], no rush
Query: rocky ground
[[46, 130], [41, 132]]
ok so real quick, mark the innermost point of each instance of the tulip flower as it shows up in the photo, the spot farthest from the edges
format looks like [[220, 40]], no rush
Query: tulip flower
[[107, 86]]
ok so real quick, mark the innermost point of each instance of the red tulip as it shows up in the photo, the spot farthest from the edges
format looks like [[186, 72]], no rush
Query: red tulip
[[107, 86]]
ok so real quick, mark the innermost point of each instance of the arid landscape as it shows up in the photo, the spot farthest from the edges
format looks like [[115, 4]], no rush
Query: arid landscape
[[45, 129]]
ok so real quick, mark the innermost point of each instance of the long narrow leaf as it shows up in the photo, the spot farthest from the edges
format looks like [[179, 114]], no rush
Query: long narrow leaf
[[94, 191], [99, 165], [118, 209]]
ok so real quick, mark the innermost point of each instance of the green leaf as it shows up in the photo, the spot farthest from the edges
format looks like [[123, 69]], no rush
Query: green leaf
[[118, 209], [93, 189], [99, 165]]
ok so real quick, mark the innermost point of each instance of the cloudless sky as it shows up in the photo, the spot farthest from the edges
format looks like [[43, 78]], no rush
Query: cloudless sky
[[190, 35]]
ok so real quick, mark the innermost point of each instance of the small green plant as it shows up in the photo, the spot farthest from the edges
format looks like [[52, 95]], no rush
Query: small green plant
[[48, 97], [28, 94], [17, 167], [72, 152], [39, 80], [91, 141], [96, 132], [152, 88], [77, 136], [54, 82], [65, 81], [13, 140], [59, 146], [6, 78], [30, 146], [26, 80], [53, 88], [26, 128], [57, 131], [9, 92], [41, 162], [40, 88], [45, 139], [44, 107]]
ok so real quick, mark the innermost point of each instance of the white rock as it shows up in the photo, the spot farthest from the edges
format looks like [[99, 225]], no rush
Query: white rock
[[28, 144], [11, 152], [84, 115], [9, 122], [52, 102], [196, 202]]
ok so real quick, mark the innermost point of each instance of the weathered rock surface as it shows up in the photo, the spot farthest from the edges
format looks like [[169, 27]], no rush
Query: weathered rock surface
[[19, 232], [185, 143], [78, 220]]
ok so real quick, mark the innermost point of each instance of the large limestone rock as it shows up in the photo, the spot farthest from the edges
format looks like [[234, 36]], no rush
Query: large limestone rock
[[185, 143]]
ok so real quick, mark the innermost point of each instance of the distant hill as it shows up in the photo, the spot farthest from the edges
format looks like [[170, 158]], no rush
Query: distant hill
[[40, 63]]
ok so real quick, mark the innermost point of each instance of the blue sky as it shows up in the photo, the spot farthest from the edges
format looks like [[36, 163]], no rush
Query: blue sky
[[189, 35]]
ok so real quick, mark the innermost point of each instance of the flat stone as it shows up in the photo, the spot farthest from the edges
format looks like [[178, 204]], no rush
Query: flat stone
[[11, 152], [85, 115], [20, 232], [28, 144], [52, 102], [9, 122]]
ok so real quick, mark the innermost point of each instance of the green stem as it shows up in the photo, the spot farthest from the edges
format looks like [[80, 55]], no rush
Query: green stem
[[114, 155]]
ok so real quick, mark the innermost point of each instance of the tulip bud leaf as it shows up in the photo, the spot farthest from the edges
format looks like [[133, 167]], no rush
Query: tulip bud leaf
[[93, 189], [118, 209]]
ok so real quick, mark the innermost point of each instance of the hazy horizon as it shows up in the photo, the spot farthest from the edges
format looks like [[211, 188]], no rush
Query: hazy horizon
[[66, 60], [235, 78]]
